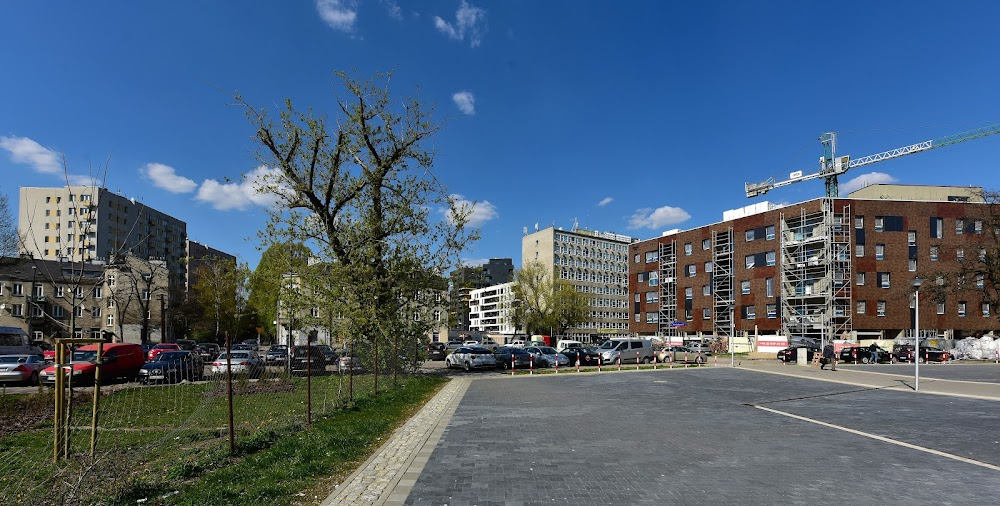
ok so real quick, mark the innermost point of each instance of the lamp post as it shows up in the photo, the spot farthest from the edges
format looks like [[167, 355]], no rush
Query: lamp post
[[917, 281]]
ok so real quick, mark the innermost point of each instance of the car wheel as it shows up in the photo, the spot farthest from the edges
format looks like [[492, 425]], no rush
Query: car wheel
[[468, 366], [646, 360], [699, 360], [33, 379], [865, 360]]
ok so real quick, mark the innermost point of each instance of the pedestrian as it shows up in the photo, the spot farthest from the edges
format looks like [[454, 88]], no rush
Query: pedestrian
[[873, 349], [829, 357]]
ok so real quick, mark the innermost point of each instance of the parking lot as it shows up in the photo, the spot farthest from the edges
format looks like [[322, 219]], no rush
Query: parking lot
[[716, 435]]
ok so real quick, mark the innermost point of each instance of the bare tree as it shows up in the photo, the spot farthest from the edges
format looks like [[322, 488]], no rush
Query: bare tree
[[8, 229]]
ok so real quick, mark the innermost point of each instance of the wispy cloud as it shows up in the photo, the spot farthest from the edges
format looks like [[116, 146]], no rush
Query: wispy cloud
[[78, 180], [469, 21], [166, 178], [240, 195], [392, 8], [26, 151], [479, 212], [866, 180], [657, 218], [474, 262], [605, 201], [338, 14], [466, 102]]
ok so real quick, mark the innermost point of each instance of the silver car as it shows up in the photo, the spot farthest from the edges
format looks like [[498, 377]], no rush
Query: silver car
[[244, 362], [681, 354], [471, 357], [547, 356], [22, 369]]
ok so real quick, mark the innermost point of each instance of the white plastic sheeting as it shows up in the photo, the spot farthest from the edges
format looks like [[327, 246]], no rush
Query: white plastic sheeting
[[971, 348]]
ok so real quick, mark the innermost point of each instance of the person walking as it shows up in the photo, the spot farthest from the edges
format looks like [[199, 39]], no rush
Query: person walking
[[873, 350], [829, 357]]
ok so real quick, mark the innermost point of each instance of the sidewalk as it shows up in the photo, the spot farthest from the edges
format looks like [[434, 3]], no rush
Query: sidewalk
[[871, 379]]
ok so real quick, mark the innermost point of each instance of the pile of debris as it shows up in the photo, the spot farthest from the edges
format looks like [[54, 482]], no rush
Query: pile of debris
[[971, 348]]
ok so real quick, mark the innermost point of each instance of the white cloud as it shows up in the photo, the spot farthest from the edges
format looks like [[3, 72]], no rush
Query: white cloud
[[242, 194], [466, 102], [393, 9], [469, 20], [166, 178], [657, 218], [338, 14], [475, 262], [481, 212], [866, 180], [605, 201], [80, 180], [27, 151]]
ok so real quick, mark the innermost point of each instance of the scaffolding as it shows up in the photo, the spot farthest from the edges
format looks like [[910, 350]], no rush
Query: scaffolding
[[668, 288], [722, 283], [816, 273]]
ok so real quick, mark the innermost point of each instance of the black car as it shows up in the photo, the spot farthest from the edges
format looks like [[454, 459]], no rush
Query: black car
[[503, 355], [588, 355], [207, 351], [437, 351], [187, 344], [927, 354], [276, 355], [863, 354], [328, 352], [791, 353], [307, 359], [173, 366]]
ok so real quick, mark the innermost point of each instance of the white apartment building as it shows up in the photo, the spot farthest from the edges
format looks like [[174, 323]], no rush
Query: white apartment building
[[87, 223], [595, 263], [491, 309]]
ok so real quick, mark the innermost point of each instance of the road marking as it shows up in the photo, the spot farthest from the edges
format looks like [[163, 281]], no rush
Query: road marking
[[884, 439], [985, 381]]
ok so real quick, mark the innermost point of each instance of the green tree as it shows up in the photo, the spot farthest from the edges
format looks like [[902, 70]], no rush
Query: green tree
[[361, 193], [220, 291], [265, 284], [547, 305]]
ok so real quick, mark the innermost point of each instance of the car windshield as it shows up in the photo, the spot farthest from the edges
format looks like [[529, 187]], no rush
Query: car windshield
[[85, 356], [479, 351], [165, 347], [13, 359], [235, 356], [170, 356], [609, 345], [278, 348], [547, 350]]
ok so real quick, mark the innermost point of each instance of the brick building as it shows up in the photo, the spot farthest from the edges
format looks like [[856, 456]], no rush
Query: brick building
[[822, 268]]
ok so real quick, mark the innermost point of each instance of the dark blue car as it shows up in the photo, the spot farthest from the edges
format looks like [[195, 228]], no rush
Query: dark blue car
[[172, 367], [521, 358]]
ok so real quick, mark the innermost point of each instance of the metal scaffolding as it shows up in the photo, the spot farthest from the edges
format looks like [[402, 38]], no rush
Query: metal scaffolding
[[722, 283], [668, 288]]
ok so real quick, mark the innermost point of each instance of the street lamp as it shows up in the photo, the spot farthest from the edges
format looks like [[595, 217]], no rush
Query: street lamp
[[917, 281]]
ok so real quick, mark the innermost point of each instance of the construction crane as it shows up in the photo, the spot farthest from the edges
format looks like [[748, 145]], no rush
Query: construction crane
[[831, 166]]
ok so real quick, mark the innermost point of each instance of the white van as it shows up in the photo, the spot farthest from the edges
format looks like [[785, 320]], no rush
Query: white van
[[566, 344], [627, 349], [15, 341]]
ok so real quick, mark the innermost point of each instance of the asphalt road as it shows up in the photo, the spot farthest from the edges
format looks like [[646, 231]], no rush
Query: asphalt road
[[701, 436]]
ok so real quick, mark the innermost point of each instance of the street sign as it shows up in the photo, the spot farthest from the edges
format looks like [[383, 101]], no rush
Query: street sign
[[676, 324]]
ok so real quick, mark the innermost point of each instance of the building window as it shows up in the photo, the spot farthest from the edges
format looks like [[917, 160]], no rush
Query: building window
[[653, 296], [961, 309], [689, 293], [98, 292], [770, 287], [911, 237], [751, 312], [879, 223], [937, 228], [912, 265], [687, 248], [17, 289], [859, 222], [638, 297], [642, 277], [769, 258], [706, 314], [708, 266], [859, 250], [772, 311], [691, 270], [111, 319], [979, 281], [934, 253], [986, 309], [940, 308], [706, 290], [637, 258], [769, 232], [145, 295], [750, 235], [654, 278], [745, 286], [880, 308], [959, 226], [750, 261], [939, 280], [883, 279], [861, 279], [95, 313], [688, 314], [706, 244], [862, 307], [637, 316], [960, 253], [77, 311], [652, 317], [879, 251], [652, 256], [978, 225], [437, 315]]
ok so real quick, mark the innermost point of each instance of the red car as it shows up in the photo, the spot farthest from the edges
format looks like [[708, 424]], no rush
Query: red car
[[119, 360], [160, 348]]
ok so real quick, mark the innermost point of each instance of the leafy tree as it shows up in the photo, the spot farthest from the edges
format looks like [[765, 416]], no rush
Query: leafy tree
[[8, 229], [264, 283], [545, 304], [220, 292], [361, 193]]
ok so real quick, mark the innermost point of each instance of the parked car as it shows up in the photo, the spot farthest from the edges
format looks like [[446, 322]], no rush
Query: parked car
[[863, 354], [791, 353], [254, 344], [504, 355], [588, 355], [547, 356], [160, 348], [187, 344], [928, 353], [626, 349], [21, 369], [244, 362], [346, 362], [567, 343], [454, 345], [327, 351], [471, 357], [307, 359], [15, 341], [119, 360], [172, 367], [244, 347], [436, 351], [207, 351], [699, 347], [682, 354], [277, 354]]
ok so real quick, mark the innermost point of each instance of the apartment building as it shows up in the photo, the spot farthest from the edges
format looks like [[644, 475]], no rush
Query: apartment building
[[822, 268], [198, 255], [595, 263], [465, 279], [87, 223], [491, 310]]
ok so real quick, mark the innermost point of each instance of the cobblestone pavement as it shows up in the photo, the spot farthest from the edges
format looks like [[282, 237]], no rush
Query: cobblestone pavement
[[383, 478]]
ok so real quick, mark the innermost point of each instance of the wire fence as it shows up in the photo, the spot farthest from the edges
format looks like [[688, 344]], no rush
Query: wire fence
[[174, 423]]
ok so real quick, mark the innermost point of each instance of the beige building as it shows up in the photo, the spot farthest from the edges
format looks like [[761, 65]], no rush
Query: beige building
[[88, 223], [595, 263], [919, 193]]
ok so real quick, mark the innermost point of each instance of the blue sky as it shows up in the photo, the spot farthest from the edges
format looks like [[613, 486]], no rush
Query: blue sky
[[629, 117]]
